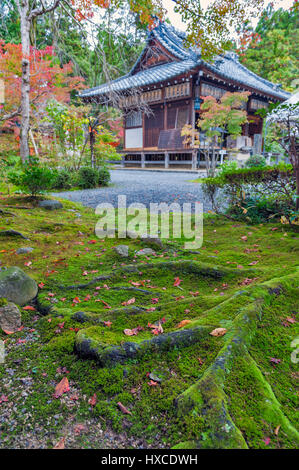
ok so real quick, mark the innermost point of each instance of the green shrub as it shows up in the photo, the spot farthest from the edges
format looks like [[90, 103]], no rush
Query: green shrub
[[228, 166], [87, 177], [103, 176], [255, 161], [254, 193], [33, 178], [62, 179], [260, 209]]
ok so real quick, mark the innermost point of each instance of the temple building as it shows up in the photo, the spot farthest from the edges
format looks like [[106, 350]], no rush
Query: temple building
[[163, 92]]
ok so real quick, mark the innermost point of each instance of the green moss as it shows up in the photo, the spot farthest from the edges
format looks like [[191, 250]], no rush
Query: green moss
[[251, 394], [3, 301]]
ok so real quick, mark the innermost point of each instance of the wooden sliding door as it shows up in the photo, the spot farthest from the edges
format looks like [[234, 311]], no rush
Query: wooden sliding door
[[153, 124]]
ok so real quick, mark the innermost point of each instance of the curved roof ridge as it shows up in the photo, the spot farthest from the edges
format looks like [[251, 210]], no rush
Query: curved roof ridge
[[145, 77]]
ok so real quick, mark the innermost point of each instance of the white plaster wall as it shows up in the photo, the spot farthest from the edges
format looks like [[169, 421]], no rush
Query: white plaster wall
[[134, 138]]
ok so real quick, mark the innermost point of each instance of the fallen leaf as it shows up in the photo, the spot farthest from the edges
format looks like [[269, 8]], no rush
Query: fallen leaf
[[60, 444], [183, 323], [123, 408], [177, 281], [62, 387], [218, 332], [28, 307], [275, 360], [129, 332], [78, 428], [7, 332], [93, 400], [152, 383], [277, 430], [129, 302]]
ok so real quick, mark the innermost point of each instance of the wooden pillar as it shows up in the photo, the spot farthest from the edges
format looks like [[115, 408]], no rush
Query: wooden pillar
[[165, 116], [194, 160], [142, 160], [166, 160]]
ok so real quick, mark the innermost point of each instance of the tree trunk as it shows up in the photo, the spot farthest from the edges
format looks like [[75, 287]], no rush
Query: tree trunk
[[297, 187], [91, 136], [25, 87]]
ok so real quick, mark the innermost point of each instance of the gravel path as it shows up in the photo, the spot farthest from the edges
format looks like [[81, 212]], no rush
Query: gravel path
[[143, 187]]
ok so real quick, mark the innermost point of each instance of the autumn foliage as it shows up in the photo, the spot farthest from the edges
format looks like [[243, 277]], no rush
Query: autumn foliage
[[48, 79]]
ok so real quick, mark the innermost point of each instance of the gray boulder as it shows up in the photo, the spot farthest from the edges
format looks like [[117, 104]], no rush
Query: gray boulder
[[122, 250], [50, 205], [10, 317], [152, 241], [16, 286], [145, 252], [24, 250]]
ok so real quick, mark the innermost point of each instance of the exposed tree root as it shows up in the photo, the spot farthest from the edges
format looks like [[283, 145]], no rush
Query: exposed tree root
[[186, 266], [107, 355], [207, 399]]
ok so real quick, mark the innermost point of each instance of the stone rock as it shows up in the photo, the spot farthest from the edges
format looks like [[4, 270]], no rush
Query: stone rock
[[12, 233], [156, 376], [122, 250], [24, 250], [16, 286], [50, 205], [152, 241], [10, 317], [145, 252]]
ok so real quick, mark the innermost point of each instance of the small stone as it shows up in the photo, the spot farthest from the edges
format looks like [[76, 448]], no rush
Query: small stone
[[24, 250], [10, 317], [156, 376], [50, 205], [145, 252], [152, 241], [122, 250]]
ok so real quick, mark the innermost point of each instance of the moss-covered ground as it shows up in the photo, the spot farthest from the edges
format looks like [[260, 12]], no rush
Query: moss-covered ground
[[243, 279]]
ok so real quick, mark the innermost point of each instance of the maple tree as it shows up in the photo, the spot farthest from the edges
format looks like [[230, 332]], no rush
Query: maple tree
[[48, 80], [227, 114]]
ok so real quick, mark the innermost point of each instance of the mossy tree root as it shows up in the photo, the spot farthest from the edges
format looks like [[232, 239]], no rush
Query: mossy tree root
[[108, 355], [206, 398], [184, 266]]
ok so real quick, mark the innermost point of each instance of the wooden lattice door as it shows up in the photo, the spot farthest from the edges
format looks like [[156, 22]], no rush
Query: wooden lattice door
[[153, 124]]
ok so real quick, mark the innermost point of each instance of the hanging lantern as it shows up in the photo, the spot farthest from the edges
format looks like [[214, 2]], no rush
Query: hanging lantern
[[197, 103], [197, 98]]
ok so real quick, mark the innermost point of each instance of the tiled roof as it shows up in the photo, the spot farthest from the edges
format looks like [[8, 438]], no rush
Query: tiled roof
[[227, 66], [145, 77]]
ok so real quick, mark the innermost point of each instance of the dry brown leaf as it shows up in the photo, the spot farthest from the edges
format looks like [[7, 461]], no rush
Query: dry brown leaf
[[123, 408], [93, 400], [128, 332], [60, 444], [129, 302], [62, 387], [218, 332], [183, 323], [277, 430]]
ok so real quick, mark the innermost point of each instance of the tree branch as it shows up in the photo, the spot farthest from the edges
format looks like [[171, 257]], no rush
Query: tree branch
[[41, 11]]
